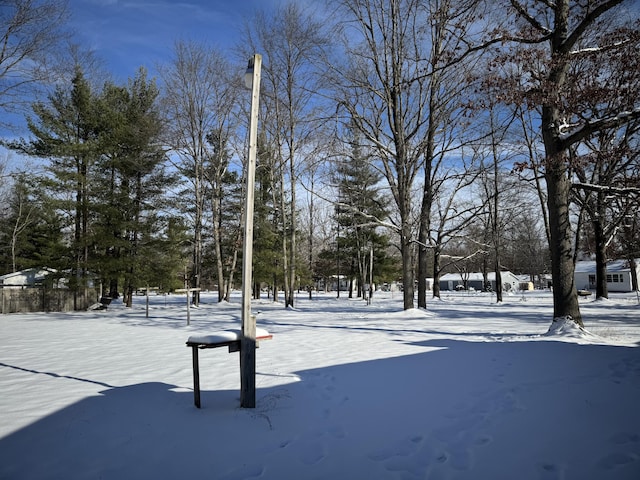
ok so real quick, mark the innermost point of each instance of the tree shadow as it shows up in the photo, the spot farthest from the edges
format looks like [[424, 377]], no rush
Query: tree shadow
[[461, 408]]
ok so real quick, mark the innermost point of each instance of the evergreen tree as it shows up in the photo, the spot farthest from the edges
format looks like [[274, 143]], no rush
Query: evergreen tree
[[106, 173], [359, 212], [267, 253], [170, 251], [133, 182], [65, 130]]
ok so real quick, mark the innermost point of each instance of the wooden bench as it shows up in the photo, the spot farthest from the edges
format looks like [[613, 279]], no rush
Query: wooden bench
[[584, 293], [227, 338]]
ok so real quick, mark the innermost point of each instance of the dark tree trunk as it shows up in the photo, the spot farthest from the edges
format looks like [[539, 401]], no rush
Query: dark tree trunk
[[436, 272], [407, 273], [498, 283], [601, 260], [634, 273], [565, 296]]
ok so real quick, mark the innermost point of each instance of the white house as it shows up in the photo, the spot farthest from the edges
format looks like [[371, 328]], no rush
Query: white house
[[25, 278], [618, 275], [456, 281]]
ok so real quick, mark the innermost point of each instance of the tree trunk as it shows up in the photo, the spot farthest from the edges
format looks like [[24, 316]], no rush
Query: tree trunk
[[565, 296], [601, 259], [423, 235], [113, 288], [217, 240], [601, 262], [634, 273], [294, 226], [436, 272], [498, 282], [407, 273]]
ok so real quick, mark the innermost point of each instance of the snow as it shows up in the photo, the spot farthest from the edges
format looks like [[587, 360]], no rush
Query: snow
[[225, 336], [463, 390]]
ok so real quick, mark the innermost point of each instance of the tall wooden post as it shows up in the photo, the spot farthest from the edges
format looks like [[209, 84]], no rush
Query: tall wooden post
[[248, 337]]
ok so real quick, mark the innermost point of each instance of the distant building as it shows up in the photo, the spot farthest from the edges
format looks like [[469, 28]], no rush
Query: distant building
[[31, 277], [618, 275], [42, 290], [525, 283], [475, 280]]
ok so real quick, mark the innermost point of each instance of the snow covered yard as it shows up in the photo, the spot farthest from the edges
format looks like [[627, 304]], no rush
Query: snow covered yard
[[467, 389]]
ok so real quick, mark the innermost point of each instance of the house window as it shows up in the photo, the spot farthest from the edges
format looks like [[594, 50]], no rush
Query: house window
[[592, 280]]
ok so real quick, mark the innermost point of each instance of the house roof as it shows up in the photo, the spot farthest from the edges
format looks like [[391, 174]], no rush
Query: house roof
[[475, 276], [28, 276], [589, 266]]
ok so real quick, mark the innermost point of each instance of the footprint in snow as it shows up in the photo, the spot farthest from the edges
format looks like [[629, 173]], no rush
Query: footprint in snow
[[312, 452], [622, 438], [626, 367], [246, 472], [551, 471], [616, 460]]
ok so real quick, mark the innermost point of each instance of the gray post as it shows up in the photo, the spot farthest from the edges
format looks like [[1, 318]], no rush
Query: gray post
[[248, 337]]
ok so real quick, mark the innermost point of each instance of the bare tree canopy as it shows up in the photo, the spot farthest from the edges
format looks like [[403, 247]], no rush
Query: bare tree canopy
[[29, 31], [553, 42]]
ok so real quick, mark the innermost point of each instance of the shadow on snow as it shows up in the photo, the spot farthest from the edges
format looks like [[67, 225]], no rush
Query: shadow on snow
[[473, 408]]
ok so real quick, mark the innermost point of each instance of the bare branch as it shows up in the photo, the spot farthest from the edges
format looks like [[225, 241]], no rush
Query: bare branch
[[592, 126], [606, 188], [530, 19]]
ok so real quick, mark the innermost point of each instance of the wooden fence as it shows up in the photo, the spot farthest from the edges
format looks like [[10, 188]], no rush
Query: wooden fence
[[39, 299]]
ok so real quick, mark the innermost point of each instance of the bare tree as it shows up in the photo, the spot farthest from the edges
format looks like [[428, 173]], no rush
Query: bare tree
[[603, 161], [291, 42], [447, 88], [23, 215], [196, 101], [603, 192], [383, 89], [30, 31], [454, 212], [552, 38], [403, 82]]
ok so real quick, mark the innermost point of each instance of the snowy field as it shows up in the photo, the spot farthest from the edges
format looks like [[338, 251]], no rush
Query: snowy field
[[465, 390]]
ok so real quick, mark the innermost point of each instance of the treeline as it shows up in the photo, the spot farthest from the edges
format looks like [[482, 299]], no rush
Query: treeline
[[399, 140], [97, 212]]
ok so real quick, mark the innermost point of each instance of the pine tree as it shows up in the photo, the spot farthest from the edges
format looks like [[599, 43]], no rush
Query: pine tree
[[267, 253], [65, 130], [106, 173], [359, 213], [133, 182]]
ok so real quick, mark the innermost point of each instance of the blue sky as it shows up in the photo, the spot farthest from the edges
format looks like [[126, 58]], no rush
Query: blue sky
[[127, 34]]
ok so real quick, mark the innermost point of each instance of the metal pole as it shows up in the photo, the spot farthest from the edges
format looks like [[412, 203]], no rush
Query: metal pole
[[248, 338]]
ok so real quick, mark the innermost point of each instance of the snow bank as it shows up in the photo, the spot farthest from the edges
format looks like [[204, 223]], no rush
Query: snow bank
[[565, 327]]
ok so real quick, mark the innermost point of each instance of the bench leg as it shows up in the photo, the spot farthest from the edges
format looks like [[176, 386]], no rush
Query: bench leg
[[196, 377]]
